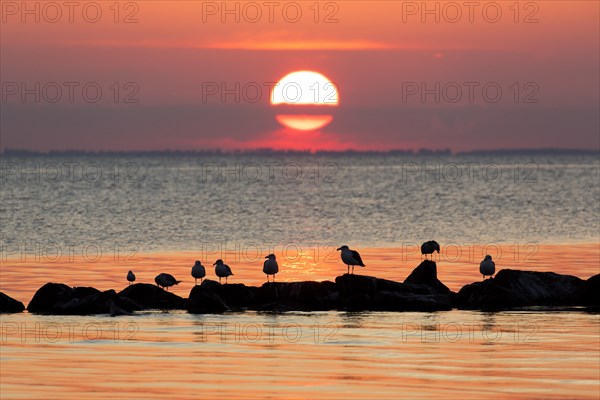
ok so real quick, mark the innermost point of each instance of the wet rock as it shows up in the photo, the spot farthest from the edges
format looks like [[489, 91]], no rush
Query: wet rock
[[10, 305], [57, 298], [302, 296], [204, 300], [209, 284], [233, 295], [83, 291], [236, 295], [357, 302], [358, 292], [426, 274], [152, 297], [95, 303], [50, 297], [590, 291], [395, 301], [514, 288], [351, 285], [116, 311]]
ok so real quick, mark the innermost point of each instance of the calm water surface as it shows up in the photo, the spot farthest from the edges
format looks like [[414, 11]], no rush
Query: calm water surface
[[87, 220], [455, 354], [160, 203]]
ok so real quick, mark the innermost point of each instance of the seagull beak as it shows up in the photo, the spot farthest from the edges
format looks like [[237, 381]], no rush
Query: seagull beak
[[339, 248], [267, 257]]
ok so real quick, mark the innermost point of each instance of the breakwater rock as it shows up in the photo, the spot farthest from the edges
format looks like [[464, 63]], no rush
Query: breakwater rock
[[420, 291], [511, 289]]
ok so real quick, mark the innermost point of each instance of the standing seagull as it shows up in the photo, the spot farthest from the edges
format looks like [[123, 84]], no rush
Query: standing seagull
[[165, 280], [130, 277], [270, 266], [351, 257], [429, 247], [487, 267], [198, 271], [222, 270]]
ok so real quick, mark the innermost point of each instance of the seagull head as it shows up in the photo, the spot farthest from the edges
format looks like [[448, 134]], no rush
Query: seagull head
[[130, 272], [344, 247], [218, 262], [197, 263], [488, 258], [271, 256]]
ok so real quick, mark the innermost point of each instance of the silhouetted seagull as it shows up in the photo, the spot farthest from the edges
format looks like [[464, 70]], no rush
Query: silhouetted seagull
[[351, 257], [165, 280], [222, 270], [487, 267], [198, 271], [270, 266], [130, 277], [429, 247]]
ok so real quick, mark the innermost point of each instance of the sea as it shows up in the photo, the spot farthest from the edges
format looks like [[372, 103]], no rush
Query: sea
[[86, 219]]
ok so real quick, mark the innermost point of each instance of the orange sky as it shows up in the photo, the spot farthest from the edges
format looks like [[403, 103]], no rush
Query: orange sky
[[372, 50]]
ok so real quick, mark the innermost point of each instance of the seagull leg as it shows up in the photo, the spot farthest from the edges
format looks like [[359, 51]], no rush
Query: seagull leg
[[348, 273], [353, 270]]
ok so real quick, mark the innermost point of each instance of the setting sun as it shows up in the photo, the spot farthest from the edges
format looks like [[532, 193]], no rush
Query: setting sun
[[304, 122], [304, 88]]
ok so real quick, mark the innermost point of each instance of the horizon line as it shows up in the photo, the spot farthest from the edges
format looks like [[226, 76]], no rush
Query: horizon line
[[266, 151]]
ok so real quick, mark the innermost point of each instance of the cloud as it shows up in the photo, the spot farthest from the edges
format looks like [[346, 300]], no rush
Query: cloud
[[275, 45]]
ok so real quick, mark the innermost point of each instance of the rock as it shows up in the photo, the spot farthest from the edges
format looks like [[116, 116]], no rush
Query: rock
[[357, 302], [590, 291], [421, 291], [514, 288], [56, 298], [360, 293], [233, 295], [351, 285], [394, 301], [301, 296], [209, 284], [49, 297], [152, 297], [426, 274], [116, 311], [236, 295], [205, 301], [83, 291], [10, 305], [96, 303]]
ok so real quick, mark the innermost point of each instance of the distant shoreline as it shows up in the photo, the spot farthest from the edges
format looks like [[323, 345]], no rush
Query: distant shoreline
[[271, 152]]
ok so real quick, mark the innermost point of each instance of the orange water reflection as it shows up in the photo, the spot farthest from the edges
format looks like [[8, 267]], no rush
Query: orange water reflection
[[369, 355], [323, 355]]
